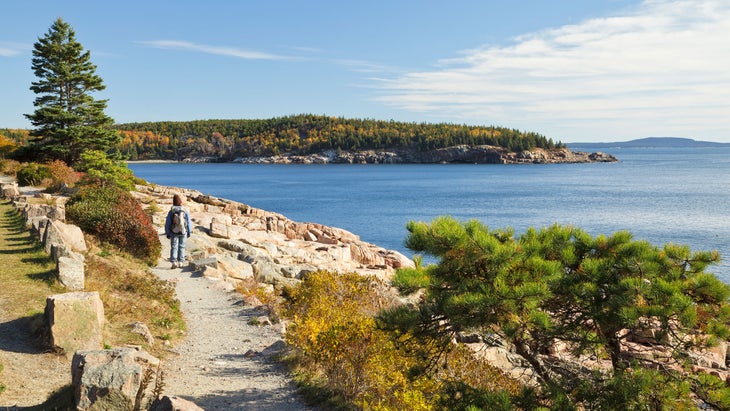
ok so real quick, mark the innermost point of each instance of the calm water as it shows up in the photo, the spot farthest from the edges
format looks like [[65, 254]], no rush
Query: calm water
[[661, 195]]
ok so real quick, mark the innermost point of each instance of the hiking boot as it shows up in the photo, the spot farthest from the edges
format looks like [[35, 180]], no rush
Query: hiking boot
[[174, 265]]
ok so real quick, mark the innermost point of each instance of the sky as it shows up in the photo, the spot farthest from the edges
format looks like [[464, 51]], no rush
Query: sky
[[571, 70]]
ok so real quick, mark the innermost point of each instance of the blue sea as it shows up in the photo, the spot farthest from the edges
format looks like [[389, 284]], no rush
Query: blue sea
[[679, 195]]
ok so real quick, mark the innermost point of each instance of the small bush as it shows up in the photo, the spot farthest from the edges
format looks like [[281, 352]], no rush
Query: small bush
[[342, 352], [116, 217], [33, 174], [61, 175], [9, 167]]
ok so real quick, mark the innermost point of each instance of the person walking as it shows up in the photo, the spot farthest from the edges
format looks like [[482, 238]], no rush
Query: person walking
[[177, 230]]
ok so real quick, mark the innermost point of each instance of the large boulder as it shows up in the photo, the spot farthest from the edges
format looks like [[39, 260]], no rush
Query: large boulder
[[76, 321], [38, 225], [70, 235], [363, 254], [110, 379]]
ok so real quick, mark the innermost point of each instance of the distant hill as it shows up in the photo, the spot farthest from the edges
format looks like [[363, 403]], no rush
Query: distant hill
[[651, 142]]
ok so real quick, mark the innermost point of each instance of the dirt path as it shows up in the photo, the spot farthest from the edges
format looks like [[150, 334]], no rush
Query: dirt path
[[225, 363]]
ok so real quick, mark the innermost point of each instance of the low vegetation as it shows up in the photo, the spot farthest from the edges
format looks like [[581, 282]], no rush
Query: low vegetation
[[53, 175], [345, 360], [131, 293], [27, 273], [114, 216], [2, 386]]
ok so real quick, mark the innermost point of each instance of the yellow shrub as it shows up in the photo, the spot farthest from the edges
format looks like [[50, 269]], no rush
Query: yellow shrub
[[333, 326]]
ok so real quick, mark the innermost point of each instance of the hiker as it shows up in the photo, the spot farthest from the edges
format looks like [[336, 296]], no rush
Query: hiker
[[177, 229]]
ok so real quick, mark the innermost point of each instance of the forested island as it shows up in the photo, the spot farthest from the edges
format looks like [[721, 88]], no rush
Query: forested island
[[311, 138], [308, 138]]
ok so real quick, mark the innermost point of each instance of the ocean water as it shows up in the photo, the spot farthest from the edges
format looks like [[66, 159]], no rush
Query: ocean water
[[658, 194]]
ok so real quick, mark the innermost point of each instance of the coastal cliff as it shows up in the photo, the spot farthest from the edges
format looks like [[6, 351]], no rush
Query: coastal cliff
[[466, 154]]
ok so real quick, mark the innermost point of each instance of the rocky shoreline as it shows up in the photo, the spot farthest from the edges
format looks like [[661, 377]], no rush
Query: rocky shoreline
[[233, 242], [461, 154]]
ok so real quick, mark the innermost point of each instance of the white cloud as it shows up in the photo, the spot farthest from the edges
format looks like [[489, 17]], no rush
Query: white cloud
[[218, 50], [661, 69], [8, 49]]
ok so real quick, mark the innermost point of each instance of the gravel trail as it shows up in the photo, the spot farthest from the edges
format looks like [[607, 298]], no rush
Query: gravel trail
[[225, 363]]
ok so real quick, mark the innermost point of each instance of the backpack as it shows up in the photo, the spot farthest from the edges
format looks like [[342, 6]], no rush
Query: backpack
[[179, 223]]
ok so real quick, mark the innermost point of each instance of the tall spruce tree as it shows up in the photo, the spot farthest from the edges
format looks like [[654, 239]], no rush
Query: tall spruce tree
[[67, 119]]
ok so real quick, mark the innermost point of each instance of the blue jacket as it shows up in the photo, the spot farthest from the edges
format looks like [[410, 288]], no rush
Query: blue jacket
[[168, 221]]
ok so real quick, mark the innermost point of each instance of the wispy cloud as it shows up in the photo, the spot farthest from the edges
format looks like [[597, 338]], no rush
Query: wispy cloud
[[661, 68], [209, 49], [8, 49], [363, 66]]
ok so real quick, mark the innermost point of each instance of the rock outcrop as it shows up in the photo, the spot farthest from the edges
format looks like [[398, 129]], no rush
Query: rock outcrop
[[482, 154], [233, 242]]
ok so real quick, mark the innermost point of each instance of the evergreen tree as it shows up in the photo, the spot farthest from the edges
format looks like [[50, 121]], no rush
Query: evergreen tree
[[67, 119], [561, 284]]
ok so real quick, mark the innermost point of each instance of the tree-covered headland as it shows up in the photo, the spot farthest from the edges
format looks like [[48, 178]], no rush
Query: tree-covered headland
[[308, 134]]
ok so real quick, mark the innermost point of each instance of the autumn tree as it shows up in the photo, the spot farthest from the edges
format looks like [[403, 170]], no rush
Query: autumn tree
[[67, 119], [6, 146]]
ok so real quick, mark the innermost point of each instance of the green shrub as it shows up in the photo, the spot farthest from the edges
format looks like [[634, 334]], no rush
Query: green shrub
[[99, 168], [33, 174], [409, 280], [114, 216]]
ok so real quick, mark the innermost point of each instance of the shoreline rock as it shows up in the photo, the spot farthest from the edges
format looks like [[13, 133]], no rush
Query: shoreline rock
[[461, 154]]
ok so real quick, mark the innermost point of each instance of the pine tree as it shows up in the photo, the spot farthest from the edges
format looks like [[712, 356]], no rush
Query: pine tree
[[67, 119], [559, 283]]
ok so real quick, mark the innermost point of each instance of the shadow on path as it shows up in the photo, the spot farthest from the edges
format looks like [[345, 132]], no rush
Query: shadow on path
[[20, 335]]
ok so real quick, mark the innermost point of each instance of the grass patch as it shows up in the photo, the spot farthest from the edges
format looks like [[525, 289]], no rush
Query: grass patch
[[28, 274], [131, 292], [128, 290]]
